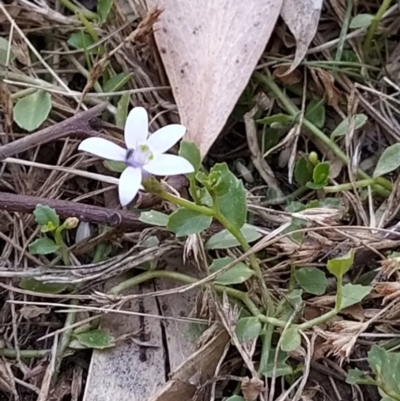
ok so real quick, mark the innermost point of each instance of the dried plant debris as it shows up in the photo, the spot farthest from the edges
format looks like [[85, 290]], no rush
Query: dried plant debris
[[260, 260]]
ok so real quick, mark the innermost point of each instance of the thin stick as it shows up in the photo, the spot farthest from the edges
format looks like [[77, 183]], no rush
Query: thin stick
[[77, 124], [92, 214]]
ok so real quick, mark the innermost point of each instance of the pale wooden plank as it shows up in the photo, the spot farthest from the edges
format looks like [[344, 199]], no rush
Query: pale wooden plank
[[129, 372]]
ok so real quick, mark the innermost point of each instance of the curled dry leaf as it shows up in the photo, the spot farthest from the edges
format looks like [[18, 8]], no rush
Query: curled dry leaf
[[301, 17], [209, 49], [252, 388]]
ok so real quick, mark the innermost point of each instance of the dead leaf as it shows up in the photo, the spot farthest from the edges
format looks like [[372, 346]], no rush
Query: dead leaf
[[210, 49], [328, 83], [7, 383], [252, 388], [32, 311], [194, 372], [287, 77], [301, 17]]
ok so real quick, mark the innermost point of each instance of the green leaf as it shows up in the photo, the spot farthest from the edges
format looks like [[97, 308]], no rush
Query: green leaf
[[321, 173], [311, 280], [122, 110], [280, 369], [117, 82], [235, 398], [155, 218], [247, 329], [354, 376], [291, 339], [235, 275], [376, 358], [96, 339], [30, 284], [343, 127], [187, 222], [221, 179], [276, 118], [43, 246], [103, 9], [191, 152], [45, 215], [233, 203], [293, 304], [341, 265], [389, 161], [114, 166], [224, 239], [361, 21], [297, 224], [303, 171], [315, 112], [32, 111], [81, 41], [353, 294], [6, 50]]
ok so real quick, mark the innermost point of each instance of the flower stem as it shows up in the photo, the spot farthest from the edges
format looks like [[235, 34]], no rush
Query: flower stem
[[215, 212], [184, 203], [63, 249], [293, 110], [75, 9], [350, 185], [373, 27], [220, 289], [24, 354]]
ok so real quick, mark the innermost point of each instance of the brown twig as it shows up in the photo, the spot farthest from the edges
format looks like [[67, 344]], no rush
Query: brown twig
[[78, 124], [92, 214]]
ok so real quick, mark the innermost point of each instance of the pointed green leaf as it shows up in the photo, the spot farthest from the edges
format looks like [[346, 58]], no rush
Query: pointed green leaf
[[117, 82], [291, 339], [114, 166], [6, 51], [122, 110], [276, 118], [312, 280], [341, 265], [354, 376], [361, 21], [155, 218], [353, 294], [81, 41], [96, 339], [280, 369], [43, 246], [30, 284], [187, 222], [224, 239], [389, 161], [31, 111], [248, 328], [235, 398], [235, 275], [45, 214], [191, 152], [233, 203], [315, 112], [303, 171], [103, 9], [321, 173], [343, 127]]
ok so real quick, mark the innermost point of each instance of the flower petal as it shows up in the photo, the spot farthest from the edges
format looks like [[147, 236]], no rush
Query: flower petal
[[129, 184], [166, 137], [169, 165], [136, 127], [102, 148]]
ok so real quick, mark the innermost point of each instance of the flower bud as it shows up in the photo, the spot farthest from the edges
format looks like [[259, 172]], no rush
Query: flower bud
[[71, 222]]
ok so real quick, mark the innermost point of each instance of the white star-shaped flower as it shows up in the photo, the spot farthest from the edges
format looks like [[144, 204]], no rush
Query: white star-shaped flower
[[144, 154]]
